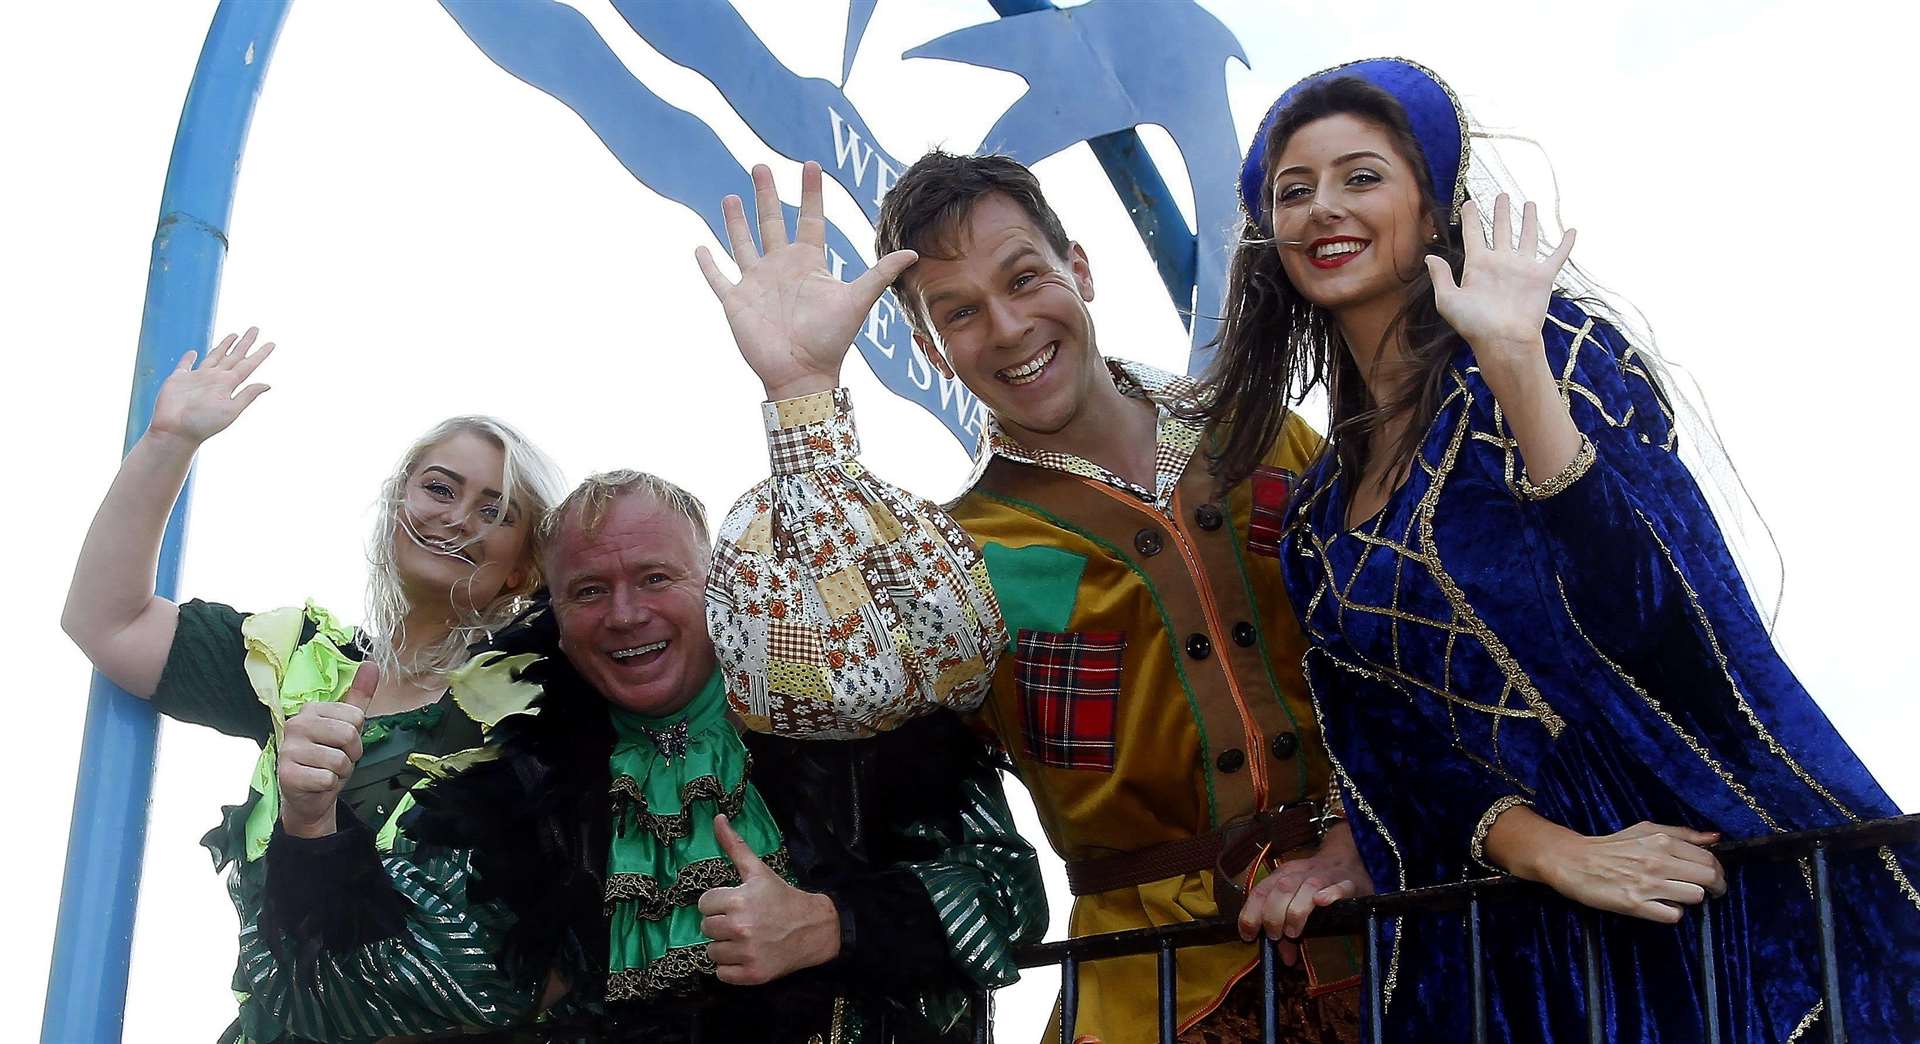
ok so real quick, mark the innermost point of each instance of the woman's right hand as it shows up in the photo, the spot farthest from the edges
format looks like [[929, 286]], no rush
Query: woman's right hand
[[1647, 870], [197, 403]]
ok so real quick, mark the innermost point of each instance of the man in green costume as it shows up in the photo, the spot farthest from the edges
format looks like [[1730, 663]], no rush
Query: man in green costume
[[828, 899]]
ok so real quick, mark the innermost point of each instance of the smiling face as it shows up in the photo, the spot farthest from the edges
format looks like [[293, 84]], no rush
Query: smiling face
[[1349, 213], [455, 540], [630, 598], [1008, 316]]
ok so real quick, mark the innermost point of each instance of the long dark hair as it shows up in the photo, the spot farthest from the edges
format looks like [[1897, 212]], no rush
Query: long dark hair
[[1275, 346]]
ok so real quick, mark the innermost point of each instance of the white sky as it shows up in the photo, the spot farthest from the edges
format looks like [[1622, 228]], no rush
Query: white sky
[[425, 235]]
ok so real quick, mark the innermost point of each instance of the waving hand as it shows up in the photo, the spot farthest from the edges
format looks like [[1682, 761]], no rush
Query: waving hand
[[197, 403], [792, 320]]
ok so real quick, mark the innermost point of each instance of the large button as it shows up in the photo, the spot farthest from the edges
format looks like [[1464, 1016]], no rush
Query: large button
[[1243, 634], [1208, 516], [1147, 542], [1198, 646], [1286, 745], [1230, 760]]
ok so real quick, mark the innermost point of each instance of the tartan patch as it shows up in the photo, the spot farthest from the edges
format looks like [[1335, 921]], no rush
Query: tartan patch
[[1069, 688], [1271, 489]]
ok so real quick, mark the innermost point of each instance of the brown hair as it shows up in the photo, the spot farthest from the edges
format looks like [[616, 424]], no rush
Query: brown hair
[[1274, 346], [925, 207]]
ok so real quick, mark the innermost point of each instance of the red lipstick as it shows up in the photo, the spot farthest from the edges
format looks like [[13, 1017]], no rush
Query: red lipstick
[[1336, 260]]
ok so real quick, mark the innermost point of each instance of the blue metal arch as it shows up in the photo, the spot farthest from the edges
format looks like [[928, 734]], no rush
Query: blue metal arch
[[93, 940]]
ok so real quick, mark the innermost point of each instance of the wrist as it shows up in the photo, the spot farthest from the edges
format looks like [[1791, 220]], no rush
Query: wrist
[[171, 443], [1515, 366], [1543, 856], [310, 827], [803, 385], [826, 930]]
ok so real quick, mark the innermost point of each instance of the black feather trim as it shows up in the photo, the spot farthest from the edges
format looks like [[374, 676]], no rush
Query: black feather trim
[[536, 818], [327, 894]]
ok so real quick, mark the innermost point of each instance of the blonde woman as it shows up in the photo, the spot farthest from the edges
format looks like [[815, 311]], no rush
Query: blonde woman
[[451, 559]]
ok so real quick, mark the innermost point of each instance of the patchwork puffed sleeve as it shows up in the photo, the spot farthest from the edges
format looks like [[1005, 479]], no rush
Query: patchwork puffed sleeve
[[841, 606], [352, 945]]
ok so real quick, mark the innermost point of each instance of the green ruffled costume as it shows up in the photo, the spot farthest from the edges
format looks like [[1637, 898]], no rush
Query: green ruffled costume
[[245, 675], [671, 775]]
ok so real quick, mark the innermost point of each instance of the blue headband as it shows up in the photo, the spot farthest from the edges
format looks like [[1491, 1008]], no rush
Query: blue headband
[[1439, 124]]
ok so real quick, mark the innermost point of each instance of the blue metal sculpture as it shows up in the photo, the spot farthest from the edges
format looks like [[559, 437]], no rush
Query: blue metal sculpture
[[1094, 72], [87, 986]]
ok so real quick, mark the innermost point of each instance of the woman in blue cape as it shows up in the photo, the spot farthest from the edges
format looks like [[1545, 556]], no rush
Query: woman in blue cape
[[1530, 648]]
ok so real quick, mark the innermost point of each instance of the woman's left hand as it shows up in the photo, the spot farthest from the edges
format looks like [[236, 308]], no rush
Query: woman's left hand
[[1501, 299]]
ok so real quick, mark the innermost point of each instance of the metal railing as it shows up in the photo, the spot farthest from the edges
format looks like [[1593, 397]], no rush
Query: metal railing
[[1350, 916]]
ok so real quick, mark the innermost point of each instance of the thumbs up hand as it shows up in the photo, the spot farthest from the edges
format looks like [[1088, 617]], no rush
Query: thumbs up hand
[[764, 927], [318, 750]]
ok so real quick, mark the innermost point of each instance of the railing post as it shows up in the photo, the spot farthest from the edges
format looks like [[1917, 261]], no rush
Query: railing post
[[1069, 997], [1590, 964], [1709, 974], [1376, 1008], [1829, 958], [1168, 988], [1476, 971], [1269, 990]]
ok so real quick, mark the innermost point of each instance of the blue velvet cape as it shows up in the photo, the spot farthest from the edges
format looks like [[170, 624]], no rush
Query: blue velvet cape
[[1594, 654]]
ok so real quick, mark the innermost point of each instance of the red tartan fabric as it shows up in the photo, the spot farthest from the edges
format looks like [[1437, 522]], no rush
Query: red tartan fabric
[[1271, 488], [1069, 685]]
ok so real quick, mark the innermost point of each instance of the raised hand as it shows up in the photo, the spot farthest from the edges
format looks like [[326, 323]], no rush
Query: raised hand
[[318, 750], [1500, 301], [197, 403], [764, 927], [792, 320]]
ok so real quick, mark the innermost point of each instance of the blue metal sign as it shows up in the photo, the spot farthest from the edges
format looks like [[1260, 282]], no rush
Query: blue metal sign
[[1094, 73]]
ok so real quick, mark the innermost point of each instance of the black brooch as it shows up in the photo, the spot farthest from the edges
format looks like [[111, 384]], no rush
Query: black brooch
[[671, 742]]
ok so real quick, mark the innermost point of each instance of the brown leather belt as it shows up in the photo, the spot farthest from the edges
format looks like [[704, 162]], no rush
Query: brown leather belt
[[1226, 851]]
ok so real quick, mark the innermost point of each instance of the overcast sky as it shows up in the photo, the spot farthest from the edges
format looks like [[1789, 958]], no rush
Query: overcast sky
[[425, 235]]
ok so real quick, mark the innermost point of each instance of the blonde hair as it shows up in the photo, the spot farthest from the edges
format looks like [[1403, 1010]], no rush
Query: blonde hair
[[595, 495], [529, 482]]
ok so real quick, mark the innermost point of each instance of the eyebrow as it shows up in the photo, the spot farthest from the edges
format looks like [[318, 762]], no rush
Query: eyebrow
[[462, 479], [1338, 161], [1015, 257]]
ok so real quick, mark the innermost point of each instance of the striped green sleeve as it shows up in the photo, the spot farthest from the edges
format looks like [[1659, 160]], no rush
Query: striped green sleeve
[[438, 974], [986, 886]]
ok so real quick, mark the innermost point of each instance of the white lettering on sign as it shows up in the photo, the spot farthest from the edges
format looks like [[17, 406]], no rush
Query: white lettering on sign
[[918, 371], [879, 322], [955, 395], [850, 148]]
